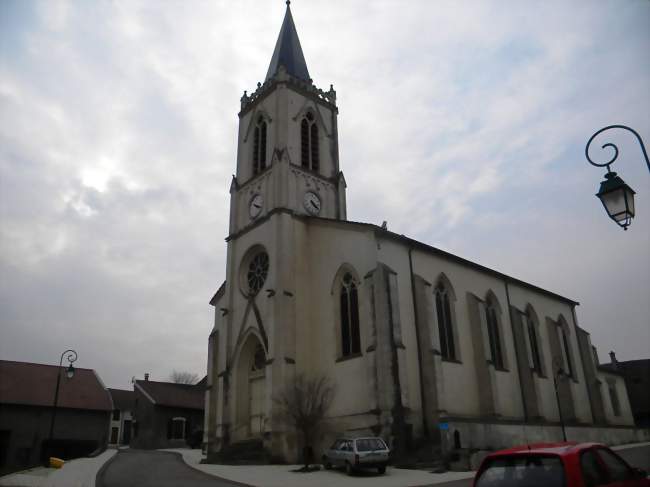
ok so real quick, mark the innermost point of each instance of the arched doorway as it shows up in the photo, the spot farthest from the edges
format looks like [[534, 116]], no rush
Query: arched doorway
[[250, 406], [257, 391]]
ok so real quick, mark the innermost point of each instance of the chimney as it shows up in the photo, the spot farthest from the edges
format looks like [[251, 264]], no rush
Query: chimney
[[612, 357], [146, 376]]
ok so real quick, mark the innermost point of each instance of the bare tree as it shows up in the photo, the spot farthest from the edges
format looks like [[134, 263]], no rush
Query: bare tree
[[303, 404], [181, 377]]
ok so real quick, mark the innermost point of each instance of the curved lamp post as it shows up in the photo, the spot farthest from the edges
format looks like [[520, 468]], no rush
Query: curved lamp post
[[70, 356], [616, 196]]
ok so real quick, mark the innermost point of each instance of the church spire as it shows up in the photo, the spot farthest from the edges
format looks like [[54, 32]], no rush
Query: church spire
[[288, 52]]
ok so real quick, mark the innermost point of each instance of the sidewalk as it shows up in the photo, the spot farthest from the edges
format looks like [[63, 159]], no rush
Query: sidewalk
[[80, 472], [282, 476]]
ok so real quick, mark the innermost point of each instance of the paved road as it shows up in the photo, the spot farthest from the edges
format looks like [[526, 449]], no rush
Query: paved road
[[637, 457], [145, 468]]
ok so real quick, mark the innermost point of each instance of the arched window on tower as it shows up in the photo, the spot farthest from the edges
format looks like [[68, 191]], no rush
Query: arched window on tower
[[259, 146], [494, 335], [350, 335], [309, 154], [445, 322]]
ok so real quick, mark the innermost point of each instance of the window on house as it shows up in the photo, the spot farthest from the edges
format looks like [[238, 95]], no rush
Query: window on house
[[259, 146], [534, 346], [496, 354], [445, 324], [116, 414], [309, 154], [176, 428], [613, 396], [114, 435], [350, 335]]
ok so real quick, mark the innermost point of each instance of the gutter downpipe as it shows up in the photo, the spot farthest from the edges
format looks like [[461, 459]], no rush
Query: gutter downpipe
[[514, 342], [425, 423]]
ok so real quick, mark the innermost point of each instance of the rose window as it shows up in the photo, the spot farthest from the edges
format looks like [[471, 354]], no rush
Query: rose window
[[258, 269]]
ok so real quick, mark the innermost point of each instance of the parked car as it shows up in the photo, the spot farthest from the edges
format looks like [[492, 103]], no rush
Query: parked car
[[558, 464], [357, 453]]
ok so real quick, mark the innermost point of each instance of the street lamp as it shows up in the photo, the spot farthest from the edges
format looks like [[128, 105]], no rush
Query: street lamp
[[559, 373], [615, 195], [70, 356]]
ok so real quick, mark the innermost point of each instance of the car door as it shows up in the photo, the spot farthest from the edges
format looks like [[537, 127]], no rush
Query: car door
[[600, 467], [345, 450], [333, 452], [620, 474]]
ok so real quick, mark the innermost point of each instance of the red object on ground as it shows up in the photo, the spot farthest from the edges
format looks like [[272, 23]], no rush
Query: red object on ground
[[558, 464]]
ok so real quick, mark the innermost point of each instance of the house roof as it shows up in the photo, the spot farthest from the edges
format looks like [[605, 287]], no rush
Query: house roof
[[35, 384], [171, 394], [122, 400], [288, 52]]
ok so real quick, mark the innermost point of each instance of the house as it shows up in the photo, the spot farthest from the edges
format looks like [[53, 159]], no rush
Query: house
[[167, 415], [637, 381], [121, 417], [424, 346], [26, 413]]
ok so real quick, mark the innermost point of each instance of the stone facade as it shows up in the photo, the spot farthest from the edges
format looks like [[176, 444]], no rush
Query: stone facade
[[446, 348]]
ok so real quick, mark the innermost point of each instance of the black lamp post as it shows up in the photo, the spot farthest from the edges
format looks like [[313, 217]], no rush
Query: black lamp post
[[615, 195], [559, 373], [71, 356]]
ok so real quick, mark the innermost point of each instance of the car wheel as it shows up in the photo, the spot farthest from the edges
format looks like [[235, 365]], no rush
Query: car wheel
[[382, 469], [348, 468]]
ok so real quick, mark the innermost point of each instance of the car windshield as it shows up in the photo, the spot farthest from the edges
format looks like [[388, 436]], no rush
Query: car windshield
[[522, 471], [370, 444]]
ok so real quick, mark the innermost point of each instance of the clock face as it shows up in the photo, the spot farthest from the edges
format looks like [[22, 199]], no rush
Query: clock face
[[256, 205], [312, 203]]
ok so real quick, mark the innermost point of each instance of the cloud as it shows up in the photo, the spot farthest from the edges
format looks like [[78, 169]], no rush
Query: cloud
[[462, 124]]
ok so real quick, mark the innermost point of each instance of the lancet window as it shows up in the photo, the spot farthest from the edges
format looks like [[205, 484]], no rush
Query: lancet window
[[309, 154], [531, 326], [445, 322], [566, 351], [259, 146], [494, 336], [350, 333]]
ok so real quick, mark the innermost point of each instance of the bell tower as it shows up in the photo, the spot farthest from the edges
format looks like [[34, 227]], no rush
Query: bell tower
[[287, 155]]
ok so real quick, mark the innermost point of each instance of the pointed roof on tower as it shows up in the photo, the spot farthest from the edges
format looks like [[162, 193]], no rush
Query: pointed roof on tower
[[288, 52]]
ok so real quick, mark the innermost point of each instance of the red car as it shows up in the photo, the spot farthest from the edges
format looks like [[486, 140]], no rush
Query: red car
[[558, 465]]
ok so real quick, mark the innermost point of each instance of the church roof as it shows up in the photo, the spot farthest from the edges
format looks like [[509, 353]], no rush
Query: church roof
[[288, 52], [436, 251]]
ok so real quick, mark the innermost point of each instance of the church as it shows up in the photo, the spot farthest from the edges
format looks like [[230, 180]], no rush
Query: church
[[422, 345]]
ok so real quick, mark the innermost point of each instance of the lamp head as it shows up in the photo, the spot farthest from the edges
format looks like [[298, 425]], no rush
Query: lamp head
[[69, 372], [617, 199]]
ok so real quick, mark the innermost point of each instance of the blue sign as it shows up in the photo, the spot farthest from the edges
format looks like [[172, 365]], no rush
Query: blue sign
[[443, 426]]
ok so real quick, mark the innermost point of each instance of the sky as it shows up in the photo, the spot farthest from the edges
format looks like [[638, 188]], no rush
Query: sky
[[118, 131]]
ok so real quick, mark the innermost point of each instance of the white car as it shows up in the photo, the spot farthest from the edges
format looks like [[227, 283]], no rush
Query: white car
[[357, 453]]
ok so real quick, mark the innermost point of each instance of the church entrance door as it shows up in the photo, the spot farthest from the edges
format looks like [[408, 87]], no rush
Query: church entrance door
[[257, 392]]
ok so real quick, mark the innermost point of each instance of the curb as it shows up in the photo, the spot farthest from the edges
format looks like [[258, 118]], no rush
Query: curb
[[97, 480]]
